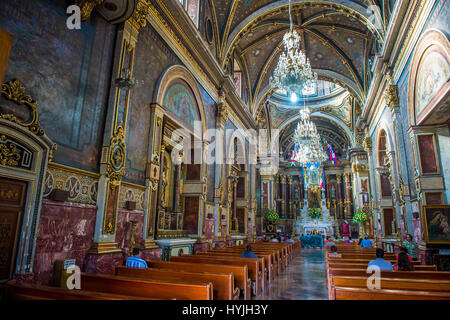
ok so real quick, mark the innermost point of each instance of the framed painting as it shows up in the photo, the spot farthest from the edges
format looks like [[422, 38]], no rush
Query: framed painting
[[437, 228]]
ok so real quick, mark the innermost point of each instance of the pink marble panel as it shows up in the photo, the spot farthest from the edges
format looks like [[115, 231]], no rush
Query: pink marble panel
[[209, 229], [66, 231], [151, 254], [124, 227], [103, 263], [201, 247]]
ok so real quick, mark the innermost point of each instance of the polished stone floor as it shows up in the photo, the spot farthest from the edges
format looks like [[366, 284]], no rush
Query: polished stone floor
[[303, 279]]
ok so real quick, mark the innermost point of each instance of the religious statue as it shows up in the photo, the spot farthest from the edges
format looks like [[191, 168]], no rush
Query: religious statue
[[163, 191], [333, 192]]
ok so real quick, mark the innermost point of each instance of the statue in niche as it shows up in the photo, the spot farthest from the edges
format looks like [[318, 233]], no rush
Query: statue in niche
[[163, 192], [333, 192], [313, 177]]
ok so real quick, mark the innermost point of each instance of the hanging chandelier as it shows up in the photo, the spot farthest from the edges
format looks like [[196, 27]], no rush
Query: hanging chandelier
[[293, 72], [307, 144]]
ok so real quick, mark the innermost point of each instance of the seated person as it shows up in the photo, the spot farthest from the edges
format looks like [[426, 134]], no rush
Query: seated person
[[288, 239], [329, 242], [136, 261], [403, 262], [334, 253], [274, 239], [380, 262], [248, 253], [404, 250], [366, 243]]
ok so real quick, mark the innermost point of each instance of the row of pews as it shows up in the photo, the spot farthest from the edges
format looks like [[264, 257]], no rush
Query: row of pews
[[347, 278], [214, 275]]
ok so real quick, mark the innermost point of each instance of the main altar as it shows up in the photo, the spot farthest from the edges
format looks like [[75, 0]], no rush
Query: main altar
[[314, 189]]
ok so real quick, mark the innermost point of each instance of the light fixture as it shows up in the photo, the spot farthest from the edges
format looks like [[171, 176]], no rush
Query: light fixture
[[293, 97], [293, 72], [126, 81]]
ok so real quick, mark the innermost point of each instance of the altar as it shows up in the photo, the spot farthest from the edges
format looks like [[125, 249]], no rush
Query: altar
[[315, 198]]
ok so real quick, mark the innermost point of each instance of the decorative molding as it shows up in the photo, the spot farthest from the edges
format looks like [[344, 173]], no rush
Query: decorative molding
[[15, 91], [117, 155]]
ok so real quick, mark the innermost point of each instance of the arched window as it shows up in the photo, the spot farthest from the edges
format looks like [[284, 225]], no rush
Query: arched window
[[192, 7]]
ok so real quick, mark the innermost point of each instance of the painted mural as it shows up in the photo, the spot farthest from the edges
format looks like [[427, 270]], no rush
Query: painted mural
[[152, 57], [180, 102], [433, 72], [68, 77]]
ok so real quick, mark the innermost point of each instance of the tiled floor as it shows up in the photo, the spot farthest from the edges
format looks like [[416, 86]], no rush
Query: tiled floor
[[303, 279]]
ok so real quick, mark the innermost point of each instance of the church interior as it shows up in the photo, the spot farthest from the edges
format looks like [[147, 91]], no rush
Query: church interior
[[193, 129]]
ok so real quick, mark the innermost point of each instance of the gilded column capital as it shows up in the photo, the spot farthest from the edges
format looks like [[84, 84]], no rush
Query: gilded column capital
[[368, 145], [290, 179], [391, 97], [222, 113], [139, 18], [339, 178], [282, 178]]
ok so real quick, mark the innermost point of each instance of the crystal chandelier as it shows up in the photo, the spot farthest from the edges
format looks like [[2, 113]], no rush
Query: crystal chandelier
[[293, 72], [126, 81], [307, 145]]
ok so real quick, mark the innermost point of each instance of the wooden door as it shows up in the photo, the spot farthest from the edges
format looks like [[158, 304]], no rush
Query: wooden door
[[12, 203]]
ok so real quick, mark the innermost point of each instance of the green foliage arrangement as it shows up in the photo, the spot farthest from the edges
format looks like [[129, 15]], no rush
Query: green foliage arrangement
[[315, 213], [272, 216], [360, 216]]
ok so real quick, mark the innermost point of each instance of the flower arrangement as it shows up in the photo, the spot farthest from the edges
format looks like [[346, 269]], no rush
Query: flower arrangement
[[272, 216], [315, 213], [360, 216]]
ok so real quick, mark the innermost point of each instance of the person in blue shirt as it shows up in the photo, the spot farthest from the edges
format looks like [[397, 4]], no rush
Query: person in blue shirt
[[248, 253], [380, 262], [288, 239], [136, 261], [366, 243]]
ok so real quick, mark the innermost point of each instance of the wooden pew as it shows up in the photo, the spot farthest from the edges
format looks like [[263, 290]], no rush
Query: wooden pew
[[431, 275], [346, 293], [223, 283], [394, 283], [242, 281], [151, 289], [266, 256], [253, 265], [27, 291], [358, 261], [364, 266]]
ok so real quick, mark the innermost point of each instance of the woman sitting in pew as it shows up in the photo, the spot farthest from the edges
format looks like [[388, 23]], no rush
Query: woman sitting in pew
[[334, 253], [403, 262]]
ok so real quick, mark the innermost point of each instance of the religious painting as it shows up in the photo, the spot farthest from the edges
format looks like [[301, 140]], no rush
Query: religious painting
[[364, 186], [385, 186], [427, 154], [437, 229], [180, 102], [433, 73]]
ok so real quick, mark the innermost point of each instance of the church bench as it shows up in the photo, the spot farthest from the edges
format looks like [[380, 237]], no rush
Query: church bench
[[342, 260], [270, 258], [364, 266], [345, 255], [392, 284], [348, 293], [280, 251], [27, 291], [223, 283], [267, 259], [255, 270], [362, 272], [147, 288], [242, 281]]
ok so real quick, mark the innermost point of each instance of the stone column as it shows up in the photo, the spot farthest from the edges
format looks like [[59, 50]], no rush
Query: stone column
[[104, 253], [283, 195], [291, 198], [340, 209], [219, 181], [153, 175]]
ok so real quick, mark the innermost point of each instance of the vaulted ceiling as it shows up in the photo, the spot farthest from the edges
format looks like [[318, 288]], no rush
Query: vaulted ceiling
[[340, 37]]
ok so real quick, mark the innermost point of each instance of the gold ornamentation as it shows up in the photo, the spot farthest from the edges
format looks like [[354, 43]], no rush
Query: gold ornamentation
[[116, 158], [8, 153], [86, 7], [222, 113], [391, 96], [140, 14], [15, 91], [368, 145]]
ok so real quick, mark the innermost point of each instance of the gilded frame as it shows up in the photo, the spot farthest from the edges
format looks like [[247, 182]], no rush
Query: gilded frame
[[426, 225]]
